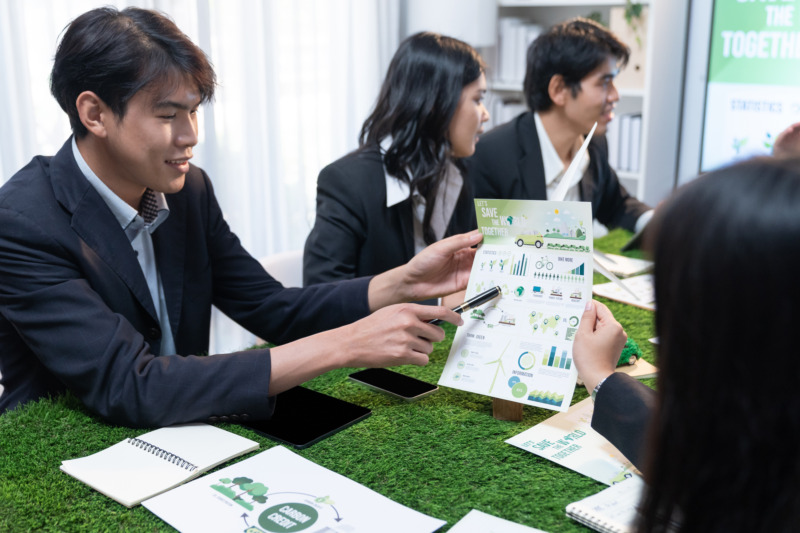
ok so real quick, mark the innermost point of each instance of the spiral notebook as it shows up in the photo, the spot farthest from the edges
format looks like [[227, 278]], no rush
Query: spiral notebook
[[138, 468], [612, 510]]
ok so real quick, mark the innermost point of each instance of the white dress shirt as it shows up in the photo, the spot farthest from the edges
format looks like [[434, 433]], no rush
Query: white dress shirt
[[443, 207], [554, 170]]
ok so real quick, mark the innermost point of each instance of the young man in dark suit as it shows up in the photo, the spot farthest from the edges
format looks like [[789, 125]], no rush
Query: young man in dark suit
[[113, 251], [569, 85]]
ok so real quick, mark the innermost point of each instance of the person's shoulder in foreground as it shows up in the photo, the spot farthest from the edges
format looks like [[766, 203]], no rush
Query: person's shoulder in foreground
[[686, 435]]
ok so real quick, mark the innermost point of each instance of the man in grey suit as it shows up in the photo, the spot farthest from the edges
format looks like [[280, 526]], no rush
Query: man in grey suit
[[569, 85], [113, 251]]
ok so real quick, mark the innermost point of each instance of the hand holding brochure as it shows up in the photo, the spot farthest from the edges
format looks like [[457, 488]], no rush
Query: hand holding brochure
[[138, 468], [519, 347]]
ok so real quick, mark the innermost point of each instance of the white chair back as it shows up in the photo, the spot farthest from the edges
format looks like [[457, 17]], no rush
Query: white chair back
[[286, 267]]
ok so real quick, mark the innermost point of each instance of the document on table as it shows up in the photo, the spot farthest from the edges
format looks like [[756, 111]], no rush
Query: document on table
[[641, 286], [278, 490], [479, 522], [519, 347], [569, 440], [623, 266]]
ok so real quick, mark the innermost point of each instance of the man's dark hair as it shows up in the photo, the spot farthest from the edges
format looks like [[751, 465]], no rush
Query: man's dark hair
[[115, 54], [573, 49]]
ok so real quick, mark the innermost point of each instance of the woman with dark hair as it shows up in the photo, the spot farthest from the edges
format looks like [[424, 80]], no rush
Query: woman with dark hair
[[719, 452], [402, 189]]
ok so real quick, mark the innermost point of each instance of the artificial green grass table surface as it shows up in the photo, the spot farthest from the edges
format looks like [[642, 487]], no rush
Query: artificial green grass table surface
[[442, 455]]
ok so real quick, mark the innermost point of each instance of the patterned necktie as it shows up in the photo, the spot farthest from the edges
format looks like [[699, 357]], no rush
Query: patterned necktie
[[148, 207]]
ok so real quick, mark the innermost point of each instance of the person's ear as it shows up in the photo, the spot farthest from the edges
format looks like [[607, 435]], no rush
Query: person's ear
[[94, 113], [558, 90]]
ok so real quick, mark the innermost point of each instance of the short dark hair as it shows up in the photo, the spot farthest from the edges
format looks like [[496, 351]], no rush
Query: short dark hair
[[115, 54], [573, 49], [726, 311], [417, 101]]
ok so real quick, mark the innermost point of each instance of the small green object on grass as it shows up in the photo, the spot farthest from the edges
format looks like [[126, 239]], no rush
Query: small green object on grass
[[630, 349]]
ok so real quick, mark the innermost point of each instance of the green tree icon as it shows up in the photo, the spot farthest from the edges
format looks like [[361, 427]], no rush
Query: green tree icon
[[257, 491]]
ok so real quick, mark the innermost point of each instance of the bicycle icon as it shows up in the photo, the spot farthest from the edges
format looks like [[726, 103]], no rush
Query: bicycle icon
[[544, 262]]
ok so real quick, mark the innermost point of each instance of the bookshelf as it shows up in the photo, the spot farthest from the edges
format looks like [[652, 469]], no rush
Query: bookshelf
[[517, 25]]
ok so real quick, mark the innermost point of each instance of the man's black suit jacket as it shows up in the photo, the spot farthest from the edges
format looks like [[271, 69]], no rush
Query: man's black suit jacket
[[355, 234], [508, 165], [76, 313]]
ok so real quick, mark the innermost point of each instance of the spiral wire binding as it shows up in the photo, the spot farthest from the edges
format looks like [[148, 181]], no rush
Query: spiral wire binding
[[162, 454]]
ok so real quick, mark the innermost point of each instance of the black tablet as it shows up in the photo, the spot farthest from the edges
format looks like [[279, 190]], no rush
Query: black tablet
[[303, 416]]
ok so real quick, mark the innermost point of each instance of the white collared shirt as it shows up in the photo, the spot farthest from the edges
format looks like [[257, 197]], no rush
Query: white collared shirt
[[446, 198], [141, 241], [554, 168]]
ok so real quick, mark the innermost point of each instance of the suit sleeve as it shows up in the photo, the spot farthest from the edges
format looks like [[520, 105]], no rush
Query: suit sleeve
[[622, 410], [50, 293], [98, 354], [333, 247]]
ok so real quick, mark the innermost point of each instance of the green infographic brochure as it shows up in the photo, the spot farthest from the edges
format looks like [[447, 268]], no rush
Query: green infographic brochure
[[519, 347], [280, 491]]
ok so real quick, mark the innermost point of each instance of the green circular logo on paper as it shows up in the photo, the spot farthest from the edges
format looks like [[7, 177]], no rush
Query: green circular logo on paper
[[519, 390], [288, 517]]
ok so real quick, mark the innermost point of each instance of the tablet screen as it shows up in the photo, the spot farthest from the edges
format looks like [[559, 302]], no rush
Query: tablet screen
[[303, 416]]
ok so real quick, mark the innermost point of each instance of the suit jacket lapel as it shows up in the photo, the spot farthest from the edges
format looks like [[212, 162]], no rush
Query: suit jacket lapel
[[531, 164], [587, 184], [93, 221]]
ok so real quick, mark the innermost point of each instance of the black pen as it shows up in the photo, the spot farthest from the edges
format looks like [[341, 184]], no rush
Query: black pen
[[480, 299]]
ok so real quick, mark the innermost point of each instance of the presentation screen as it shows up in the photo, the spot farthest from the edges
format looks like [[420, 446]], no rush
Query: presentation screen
[[753, 89]]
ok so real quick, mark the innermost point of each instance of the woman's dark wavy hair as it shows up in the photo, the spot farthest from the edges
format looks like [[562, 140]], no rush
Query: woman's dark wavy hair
[[573, 49], [723, 452], [418, 98], [115, 54]]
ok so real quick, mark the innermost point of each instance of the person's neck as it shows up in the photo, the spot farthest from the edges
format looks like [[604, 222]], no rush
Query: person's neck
[[562, 135], [95, 153]]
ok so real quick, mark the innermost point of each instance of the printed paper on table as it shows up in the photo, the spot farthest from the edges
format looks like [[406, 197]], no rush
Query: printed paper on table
[[641, 286], [569, 440], [519, 347], [280, 491], [479, 522]]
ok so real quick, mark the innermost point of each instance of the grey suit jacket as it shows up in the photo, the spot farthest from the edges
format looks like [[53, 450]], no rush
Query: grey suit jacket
[[508, 165], [75, 311]]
